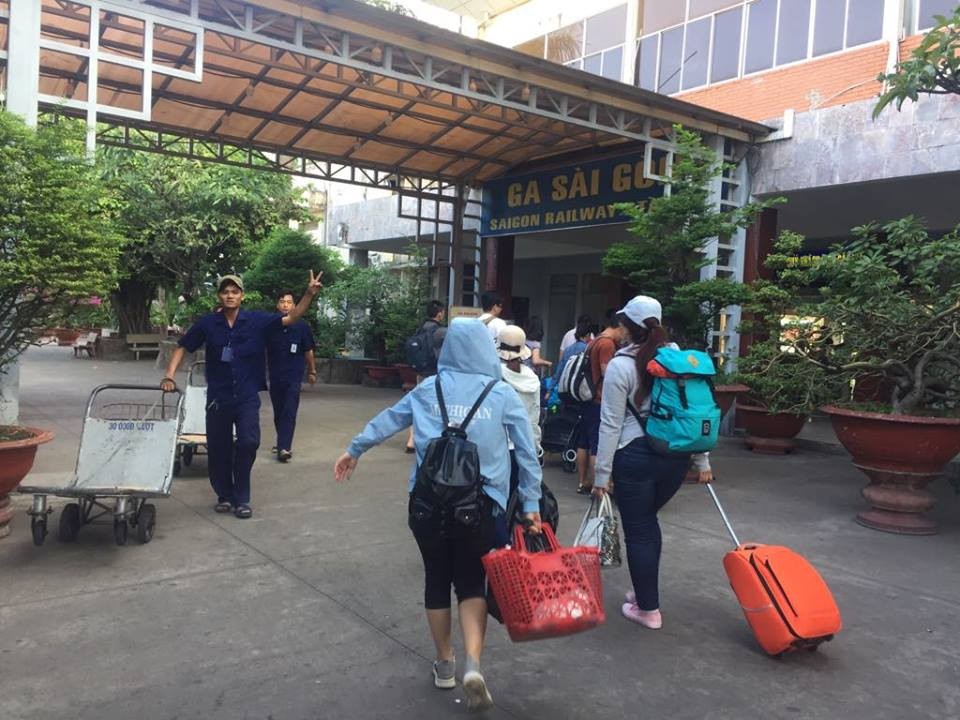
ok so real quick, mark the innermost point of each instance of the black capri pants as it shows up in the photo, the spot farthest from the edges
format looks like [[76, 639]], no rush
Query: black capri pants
[[451, 555]]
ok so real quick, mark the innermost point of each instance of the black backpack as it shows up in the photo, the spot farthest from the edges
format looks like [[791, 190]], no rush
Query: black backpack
[[449, 483], [420, 348]]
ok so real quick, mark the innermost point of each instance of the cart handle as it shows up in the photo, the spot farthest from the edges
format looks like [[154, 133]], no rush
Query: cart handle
[[122, 386], [194, 366]]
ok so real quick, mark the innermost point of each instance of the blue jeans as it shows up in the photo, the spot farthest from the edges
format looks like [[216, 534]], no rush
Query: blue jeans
[[644, 481], [230, 461], [285, 397]]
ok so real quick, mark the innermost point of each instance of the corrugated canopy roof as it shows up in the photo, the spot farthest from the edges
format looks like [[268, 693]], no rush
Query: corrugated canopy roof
[[339, 81]]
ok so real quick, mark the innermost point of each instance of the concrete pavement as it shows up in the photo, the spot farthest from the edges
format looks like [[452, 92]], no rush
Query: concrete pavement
[[313, 608]]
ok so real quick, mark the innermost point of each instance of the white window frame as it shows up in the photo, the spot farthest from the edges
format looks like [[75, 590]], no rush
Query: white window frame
[[747, 8], [578, 61], [915, 20]]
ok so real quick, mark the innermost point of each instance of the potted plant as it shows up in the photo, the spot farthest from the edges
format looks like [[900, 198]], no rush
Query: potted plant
[[890, 313], [59, 245], [782, 392]]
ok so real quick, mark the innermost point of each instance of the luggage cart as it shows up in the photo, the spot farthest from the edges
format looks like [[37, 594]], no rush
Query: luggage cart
[[126, 455], [193, 432]]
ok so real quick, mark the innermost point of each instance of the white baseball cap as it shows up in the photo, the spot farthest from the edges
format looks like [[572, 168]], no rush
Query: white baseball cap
[[512, 343], [642, 307]]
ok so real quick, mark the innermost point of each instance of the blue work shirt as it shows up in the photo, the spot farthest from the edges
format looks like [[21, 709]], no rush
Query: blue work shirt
[[244, 374], [286, 347]]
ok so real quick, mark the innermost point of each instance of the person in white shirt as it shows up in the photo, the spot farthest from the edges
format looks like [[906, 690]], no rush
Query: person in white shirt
[[571, 336], [492, 304]]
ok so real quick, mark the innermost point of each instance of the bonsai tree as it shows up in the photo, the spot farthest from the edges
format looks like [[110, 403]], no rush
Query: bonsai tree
[[59, 241], [933, 67], [889, 308], [668, 249]]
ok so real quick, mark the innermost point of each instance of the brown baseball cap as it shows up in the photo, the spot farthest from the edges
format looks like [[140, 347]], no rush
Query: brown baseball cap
[[235, 279]]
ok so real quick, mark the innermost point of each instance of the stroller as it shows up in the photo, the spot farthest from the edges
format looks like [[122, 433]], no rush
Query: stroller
[[560, 427]]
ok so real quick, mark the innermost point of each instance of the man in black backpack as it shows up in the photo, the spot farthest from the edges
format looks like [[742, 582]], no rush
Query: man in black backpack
[[423, 348]]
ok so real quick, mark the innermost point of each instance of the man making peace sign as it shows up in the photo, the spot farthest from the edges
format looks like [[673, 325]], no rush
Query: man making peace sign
[[236, 372]]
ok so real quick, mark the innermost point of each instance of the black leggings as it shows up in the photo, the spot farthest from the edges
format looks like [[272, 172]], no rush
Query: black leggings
[[451, 556]]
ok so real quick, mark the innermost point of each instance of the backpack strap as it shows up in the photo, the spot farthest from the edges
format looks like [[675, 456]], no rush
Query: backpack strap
[[476, 405], [473, 410]]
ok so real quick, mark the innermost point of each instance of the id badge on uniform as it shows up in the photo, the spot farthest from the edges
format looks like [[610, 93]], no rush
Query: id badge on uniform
[[293, 348], [226, 354]]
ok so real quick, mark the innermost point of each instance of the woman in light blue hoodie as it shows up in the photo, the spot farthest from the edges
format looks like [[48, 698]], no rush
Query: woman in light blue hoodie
[[451, 554]]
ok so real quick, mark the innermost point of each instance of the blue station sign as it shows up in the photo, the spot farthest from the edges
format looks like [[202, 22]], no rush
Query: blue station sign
[[576, 196]]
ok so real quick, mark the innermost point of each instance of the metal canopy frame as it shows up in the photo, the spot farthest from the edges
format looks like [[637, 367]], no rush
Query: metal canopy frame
[[335, 90]]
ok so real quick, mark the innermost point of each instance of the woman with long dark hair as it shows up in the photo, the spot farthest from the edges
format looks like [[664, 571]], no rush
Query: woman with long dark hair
[[644, 479]]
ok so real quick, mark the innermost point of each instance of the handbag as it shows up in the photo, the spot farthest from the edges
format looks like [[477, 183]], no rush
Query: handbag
[[545, 594], [601, 529]]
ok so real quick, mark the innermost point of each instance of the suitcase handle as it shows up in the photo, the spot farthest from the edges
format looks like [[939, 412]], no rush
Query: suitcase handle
[[716, 501]]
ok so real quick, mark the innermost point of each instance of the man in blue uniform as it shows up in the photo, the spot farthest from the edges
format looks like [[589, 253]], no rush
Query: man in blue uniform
[[289, 352], [235, 342]]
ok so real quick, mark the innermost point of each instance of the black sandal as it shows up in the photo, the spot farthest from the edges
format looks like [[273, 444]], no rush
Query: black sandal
[[243, 512], [222, 507], [584, 489]]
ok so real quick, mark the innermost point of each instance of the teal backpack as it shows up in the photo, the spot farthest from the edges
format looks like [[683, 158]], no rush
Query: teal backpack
[[684, 415]]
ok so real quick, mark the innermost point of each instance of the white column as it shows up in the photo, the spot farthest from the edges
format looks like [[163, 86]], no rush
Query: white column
[[634, 8], [23, 87], [23, 61], [893, 25]]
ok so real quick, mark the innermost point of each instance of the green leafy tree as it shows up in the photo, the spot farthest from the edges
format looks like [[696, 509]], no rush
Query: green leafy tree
[[285, 260], [933, 67], [391, 5], [58, 239], [889, 308], [187, 221], [670, 236]]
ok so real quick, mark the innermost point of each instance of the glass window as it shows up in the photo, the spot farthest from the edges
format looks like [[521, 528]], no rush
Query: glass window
[[670, 56], [828, 27], [929, 8], [761, 25], [705, 7], [647, 73], [566, 43], [593, 63], [606, 30], [726, 45], [794, 31], [864, 21], [533, 47], [613, 63], [660, 15], [696, 53]]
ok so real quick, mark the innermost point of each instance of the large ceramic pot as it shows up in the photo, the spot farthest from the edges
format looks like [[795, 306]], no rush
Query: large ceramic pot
[[383, 375], [408, 376], [770, 433], [900, 454], [727, 394], [16, 459]]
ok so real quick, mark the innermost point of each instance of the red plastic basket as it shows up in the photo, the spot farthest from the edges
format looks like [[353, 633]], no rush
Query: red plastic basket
[[546, 594]]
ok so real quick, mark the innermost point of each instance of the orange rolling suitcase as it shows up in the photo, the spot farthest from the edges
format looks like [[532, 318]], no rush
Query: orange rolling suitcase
[[783, 597]]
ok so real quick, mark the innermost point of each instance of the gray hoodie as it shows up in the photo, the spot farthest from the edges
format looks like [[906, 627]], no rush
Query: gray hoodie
[[467, 363]]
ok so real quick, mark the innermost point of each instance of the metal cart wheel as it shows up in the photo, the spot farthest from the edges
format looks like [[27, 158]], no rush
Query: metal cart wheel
[[569, 463], [146, 522], [120, 529], [69, 522], [187, 455], [38, 526]]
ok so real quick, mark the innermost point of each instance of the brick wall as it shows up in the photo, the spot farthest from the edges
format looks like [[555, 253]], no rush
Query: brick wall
[[907, 45], [835, 80]]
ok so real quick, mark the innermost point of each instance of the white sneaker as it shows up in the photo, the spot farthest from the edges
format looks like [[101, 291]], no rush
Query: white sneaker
[[478, 697], [445, 674]]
